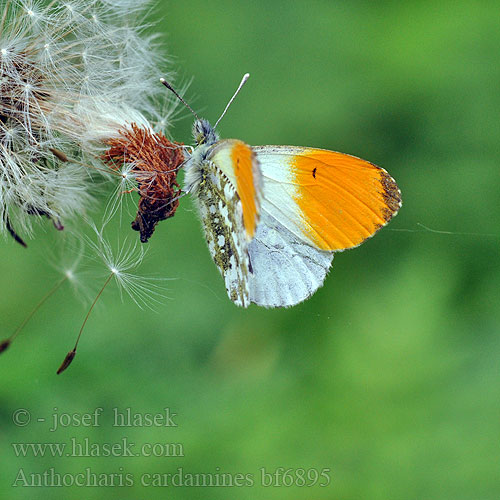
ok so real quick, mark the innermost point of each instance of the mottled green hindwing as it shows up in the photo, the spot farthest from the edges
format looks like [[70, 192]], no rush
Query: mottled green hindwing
[[222, 218]]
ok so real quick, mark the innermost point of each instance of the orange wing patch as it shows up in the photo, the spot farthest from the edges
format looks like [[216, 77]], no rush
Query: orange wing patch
[[343, 199], [243, 160]]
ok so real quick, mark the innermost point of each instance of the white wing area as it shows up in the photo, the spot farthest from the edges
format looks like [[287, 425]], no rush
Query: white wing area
[[283, 269], [279, 187]]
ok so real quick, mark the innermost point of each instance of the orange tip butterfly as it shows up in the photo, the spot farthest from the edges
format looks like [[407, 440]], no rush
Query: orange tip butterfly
[[275, 215]]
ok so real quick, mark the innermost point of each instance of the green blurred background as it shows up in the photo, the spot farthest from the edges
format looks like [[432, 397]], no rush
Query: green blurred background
[[389, 375]]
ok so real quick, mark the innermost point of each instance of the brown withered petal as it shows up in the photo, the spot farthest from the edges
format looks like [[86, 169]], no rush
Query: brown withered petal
[[155, 161]]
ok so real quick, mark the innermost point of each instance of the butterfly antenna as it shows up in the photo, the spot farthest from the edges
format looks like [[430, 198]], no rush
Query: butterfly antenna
[[246, 76], [169, 87]]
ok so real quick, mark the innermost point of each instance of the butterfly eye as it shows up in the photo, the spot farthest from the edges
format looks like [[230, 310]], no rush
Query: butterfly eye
[[204, 133], [200, 127], [200, 138]]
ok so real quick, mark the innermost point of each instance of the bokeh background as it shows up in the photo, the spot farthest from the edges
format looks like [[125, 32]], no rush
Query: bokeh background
[[389, 375]]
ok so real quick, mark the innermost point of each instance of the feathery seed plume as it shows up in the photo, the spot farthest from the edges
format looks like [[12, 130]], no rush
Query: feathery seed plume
[[74, 76]]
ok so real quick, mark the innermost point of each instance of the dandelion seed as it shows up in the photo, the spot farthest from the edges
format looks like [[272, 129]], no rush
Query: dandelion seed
[[143, 291], [71, 354], [7, 342], [68, 276], [123, 265], [67, 361]]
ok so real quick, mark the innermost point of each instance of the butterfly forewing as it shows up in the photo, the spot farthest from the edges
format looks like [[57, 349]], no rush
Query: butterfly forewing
[[238, 162], [314, 202], [330, 200]]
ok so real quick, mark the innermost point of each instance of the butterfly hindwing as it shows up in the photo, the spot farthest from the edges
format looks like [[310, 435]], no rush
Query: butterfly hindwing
[[285, 271]]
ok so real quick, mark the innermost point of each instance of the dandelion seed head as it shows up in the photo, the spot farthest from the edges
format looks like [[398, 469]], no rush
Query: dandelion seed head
[[72, 75]]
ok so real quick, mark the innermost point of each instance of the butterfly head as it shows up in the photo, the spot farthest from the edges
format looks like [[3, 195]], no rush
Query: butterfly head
[[204, 133]]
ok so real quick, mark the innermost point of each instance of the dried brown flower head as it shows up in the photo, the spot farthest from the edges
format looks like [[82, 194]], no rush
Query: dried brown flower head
[[154, 164]]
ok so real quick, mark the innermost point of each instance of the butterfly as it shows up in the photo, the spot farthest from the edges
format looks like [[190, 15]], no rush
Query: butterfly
[[274, 216]]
